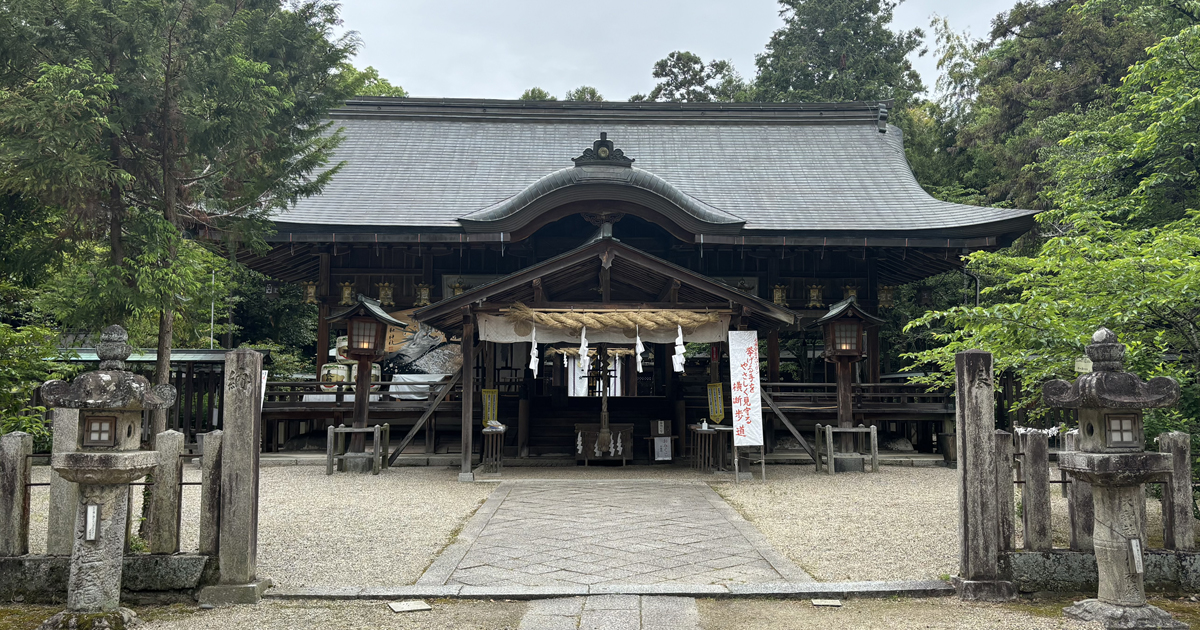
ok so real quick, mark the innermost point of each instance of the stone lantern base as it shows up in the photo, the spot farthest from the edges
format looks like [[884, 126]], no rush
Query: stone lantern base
[[1118, 617], [67, 620]]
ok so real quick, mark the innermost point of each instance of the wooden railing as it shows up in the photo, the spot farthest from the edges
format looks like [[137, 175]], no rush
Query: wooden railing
[[864, 397], [291, 394]]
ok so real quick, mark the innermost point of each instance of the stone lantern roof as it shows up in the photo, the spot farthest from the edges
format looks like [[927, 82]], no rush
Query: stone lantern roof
[[110, 387], [1108, 386]]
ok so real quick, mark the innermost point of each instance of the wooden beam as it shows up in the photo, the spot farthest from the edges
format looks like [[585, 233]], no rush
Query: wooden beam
[[424, 417], [788, 423], [605, 285]]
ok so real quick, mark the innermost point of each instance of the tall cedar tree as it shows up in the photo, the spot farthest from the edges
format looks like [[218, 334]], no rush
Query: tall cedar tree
[[838, 50], [217, 115]]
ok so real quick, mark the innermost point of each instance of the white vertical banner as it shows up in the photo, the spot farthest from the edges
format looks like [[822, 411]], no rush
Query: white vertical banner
[[747, 401]]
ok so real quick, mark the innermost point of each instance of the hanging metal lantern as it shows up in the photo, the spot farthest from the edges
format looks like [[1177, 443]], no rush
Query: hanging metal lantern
[[310, 292], [887, 296], [781, 294], [347, 294], [424, 293], [385, 293], [814, 295], [459, 286], [849, 291], [925, 297]]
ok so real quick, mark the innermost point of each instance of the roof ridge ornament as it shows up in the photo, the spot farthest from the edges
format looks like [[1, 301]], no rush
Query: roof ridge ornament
[[604, 153]]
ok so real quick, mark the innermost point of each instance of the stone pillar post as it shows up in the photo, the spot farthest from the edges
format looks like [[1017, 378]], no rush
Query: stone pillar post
[[979, 573], [166, 494], [64, 495], [1004, 491], [238, 539], [1179, 526], [15, 449], [1080, 511], [210, 494], [95, 580], [1035, 493]]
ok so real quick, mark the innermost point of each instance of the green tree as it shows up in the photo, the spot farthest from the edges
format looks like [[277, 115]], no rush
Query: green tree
[[23, 370], [1041, 61], [685, 78], [584, 93], [218, 120], [537, 94], [367, 82], [1122, 247], [838, 50]]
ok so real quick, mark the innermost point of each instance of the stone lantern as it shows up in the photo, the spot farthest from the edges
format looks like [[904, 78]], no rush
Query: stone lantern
[[1112, 458], [110, 403]]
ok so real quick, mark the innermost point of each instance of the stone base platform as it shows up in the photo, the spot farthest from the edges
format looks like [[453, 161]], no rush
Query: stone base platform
[[984, 590], [1121, 617], [232, 594]]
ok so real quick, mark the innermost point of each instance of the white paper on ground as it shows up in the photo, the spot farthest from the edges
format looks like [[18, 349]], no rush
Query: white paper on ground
[[409, 605]]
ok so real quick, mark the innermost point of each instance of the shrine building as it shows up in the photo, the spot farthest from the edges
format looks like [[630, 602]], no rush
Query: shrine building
[[501, 224]]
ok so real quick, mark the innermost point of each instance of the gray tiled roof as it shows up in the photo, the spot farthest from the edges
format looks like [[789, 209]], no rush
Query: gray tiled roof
[[791, 174]]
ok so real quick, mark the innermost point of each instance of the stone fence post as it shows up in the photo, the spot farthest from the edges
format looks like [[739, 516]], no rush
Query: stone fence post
[[1179, 526], [240, 444], [166, 494], [1004, 491], [210, 494], [979, 575], [64, 495], [15, 449], [1035, 493]]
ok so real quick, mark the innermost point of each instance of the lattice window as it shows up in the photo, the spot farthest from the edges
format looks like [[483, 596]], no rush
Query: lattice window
[[845, 336], [100, 431], [1121, 431]]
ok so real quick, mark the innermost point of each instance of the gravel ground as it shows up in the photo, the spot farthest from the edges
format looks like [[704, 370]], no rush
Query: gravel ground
[[381, 531], [340, 530], [898, 524], [352, 615], [877, 614]]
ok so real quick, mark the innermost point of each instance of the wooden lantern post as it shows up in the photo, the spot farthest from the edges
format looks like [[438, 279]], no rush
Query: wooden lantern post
[[366, 331], [844, 326]]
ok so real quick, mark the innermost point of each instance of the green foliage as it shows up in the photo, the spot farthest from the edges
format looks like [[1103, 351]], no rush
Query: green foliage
[[367, 82], [838, 50], [584, 93], [1122, 247], [537, 94], [685, 78], [1009, 99], [24, 367]]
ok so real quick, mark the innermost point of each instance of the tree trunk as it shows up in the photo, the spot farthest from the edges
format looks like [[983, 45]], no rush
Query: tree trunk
[[162, 368]]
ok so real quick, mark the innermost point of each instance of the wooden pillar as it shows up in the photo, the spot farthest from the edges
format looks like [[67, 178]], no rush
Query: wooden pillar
[[769, 426], [525, 401], [874, 360], [322, 313], [362, 397], [845, 411], [468, 393], [489, 365]]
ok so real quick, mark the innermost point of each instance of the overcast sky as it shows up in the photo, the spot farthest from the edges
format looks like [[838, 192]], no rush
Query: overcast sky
[[498, 48]]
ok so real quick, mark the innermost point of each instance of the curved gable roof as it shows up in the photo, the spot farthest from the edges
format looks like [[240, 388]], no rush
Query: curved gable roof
[[442, 164]]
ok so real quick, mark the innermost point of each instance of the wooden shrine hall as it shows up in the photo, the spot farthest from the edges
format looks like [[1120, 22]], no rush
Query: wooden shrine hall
[[510, 226]]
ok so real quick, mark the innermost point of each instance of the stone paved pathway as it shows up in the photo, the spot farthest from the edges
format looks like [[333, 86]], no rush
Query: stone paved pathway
[[552, 533], [612, 612]]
